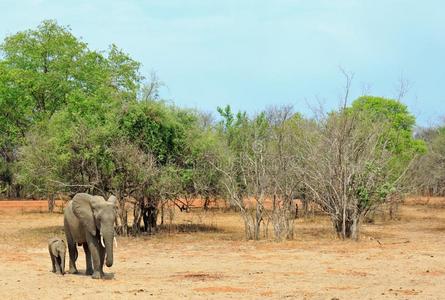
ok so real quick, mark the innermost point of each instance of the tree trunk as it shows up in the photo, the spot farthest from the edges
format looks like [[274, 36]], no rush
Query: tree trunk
[[18, 190], [162, 213], [305, 203], [290, 216], [258, 220], [347, 228], [354, 228], [394, 207], [124, 223], [51, 203], [206, 202], [248, 226], [137, 216]]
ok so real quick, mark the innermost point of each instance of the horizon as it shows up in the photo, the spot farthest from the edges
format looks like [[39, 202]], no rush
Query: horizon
[[252, 56]]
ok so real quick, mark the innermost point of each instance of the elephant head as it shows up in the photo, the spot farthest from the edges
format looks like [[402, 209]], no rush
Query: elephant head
[[97, 217]]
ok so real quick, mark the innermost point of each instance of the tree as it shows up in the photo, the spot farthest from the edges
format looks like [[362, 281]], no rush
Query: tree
[[44, 65], [156, 128], [399, 136], [261, 166], [355, 159], [242, 165], [284, 167], [132, 171], [426, 176], [47, 70], [37, 172]]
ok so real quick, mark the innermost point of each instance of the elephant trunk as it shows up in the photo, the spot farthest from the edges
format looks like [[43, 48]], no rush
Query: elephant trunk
[[108, 241], [62, 262]]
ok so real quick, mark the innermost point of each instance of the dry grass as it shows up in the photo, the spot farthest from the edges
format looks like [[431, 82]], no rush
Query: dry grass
[[203, 255]]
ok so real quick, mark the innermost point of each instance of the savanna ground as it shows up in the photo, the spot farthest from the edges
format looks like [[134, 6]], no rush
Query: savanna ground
[[401, 259]]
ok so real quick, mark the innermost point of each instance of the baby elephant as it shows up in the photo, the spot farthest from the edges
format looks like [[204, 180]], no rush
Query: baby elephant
[[57, 250]]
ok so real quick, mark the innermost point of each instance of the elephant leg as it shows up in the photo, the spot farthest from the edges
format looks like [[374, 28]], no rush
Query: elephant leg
[[102, 259], [93, 245], [53, 262], [57, 263], [89, 268], [72, 250]]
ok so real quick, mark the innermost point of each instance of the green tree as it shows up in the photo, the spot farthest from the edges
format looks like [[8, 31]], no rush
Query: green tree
[[400, 134], [48, 70], [44, 63], [158, 128], [398, 138]]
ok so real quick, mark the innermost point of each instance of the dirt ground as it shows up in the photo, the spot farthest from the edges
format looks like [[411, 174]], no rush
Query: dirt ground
[[393, 260]]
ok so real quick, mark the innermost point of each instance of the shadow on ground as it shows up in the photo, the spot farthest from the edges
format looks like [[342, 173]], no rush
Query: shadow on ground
[[188, 228]]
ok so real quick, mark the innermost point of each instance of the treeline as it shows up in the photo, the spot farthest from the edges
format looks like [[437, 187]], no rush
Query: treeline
[[77, 120]]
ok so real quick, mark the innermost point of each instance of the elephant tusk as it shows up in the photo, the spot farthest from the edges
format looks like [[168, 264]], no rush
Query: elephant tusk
[[115, 241], [102, 240]]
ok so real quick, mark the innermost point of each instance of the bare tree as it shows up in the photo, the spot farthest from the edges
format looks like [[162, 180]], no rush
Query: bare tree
[[283, 168], [150, 91], [261, 173], [243, 164], [426, 176], [348, 170], [402, 88]]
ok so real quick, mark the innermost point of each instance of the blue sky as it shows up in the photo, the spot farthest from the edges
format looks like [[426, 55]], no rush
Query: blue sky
[[252, 54]]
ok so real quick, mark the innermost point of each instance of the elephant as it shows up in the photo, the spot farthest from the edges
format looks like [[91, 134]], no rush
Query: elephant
[[89, 221], [57, 252]]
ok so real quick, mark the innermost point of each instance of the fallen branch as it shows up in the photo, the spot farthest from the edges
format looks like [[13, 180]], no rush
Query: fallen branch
[[77, 185]]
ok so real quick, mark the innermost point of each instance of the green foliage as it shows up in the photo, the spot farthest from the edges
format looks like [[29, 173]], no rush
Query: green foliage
[[159, 129], [399, 136], [37, 170], [124, 73], [50, 79], [43, 64], [401, 123], [44, 70]]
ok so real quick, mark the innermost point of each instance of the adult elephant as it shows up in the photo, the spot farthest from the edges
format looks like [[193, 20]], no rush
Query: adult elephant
[[89, 221]]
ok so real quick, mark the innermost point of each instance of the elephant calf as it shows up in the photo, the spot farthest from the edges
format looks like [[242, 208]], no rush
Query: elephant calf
[[57, 250]]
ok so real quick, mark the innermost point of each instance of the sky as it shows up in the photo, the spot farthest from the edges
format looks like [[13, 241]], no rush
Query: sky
[[254, 54]]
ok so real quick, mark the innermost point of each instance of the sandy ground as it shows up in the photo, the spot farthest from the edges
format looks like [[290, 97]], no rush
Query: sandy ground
[[393, 260]]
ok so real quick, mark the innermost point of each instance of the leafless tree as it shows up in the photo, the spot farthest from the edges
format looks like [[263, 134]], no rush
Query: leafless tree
[[283, 168], [426, 176], [150, 91], [261, 173], [348, 170], [244, 173], [402, 88]]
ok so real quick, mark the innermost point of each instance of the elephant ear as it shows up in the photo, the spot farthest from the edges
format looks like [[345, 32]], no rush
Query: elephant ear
[[113, 201], [82, 208]]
